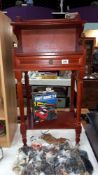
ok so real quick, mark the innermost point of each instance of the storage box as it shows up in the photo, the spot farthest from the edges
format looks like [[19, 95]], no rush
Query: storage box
[[44, 104], [61, 94], [61, 102]]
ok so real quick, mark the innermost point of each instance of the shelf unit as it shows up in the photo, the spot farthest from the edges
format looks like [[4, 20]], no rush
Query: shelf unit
[[8, 110]]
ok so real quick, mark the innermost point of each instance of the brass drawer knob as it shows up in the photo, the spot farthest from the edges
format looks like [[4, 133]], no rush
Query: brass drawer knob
[[50, 61]]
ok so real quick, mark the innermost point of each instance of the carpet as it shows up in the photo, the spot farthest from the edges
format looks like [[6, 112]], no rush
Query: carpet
[[10, 153]]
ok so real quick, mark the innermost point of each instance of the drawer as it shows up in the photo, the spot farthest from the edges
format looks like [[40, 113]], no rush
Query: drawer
[[49, 62]]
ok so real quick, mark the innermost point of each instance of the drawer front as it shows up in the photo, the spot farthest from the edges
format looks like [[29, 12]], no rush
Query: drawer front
[[48, 62]]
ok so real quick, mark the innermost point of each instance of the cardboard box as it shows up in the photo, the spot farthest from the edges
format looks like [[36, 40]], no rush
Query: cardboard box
[[44, 105]]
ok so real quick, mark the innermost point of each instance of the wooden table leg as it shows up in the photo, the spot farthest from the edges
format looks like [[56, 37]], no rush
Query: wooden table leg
[[28, 96], [78, 112], [18, 75], [72, 91]]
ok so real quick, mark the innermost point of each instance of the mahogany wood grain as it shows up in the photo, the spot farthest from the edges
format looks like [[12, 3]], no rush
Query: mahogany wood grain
[[66, 120]]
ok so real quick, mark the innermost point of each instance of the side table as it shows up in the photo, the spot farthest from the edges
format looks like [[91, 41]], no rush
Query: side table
[[50, 45]]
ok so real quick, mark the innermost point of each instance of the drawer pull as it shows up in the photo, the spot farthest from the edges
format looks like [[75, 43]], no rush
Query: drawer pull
[[50, 61]]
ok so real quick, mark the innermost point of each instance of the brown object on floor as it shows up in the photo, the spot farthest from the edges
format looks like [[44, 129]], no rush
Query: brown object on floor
[[65, 173], [52, 140]]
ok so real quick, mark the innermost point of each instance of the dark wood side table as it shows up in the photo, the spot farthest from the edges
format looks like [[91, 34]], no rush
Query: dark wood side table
[[50, 45]]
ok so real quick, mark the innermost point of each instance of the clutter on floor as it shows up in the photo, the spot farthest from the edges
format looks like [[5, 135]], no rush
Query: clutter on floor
[[50, 137], [48, 155]]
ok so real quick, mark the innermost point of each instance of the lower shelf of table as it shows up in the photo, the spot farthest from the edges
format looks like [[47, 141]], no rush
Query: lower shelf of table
[[65, 120]]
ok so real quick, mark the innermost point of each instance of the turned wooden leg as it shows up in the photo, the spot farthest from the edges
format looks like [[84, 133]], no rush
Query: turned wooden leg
[[28, 96], [18, 75], [78, 113], [72, 92], [78, 132]]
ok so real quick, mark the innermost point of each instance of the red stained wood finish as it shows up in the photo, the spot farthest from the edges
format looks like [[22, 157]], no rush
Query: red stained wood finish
[[42, 45]]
